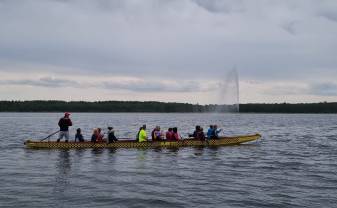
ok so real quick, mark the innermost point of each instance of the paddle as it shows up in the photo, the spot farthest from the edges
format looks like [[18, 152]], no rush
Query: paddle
[[50, 135]]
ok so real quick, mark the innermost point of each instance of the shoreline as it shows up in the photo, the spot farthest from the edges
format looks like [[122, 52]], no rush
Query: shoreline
[[39, 106]]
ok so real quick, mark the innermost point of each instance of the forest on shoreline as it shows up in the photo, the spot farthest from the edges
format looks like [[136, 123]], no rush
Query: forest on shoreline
[[161, 107]]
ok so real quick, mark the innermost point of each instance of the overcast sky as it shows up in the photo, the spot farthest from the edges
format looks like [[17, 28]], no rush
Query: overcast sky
[[172, 50]]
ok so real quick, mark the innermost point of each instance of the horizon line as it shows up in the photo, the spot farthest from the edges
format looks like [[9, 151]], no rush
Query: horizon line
[[97, 101]]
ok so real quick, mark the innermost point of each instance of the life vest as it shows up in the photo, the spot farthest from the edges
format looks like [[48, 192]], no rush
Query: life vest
[[142, 136], [175, 136], [99, 137], [169, 135]]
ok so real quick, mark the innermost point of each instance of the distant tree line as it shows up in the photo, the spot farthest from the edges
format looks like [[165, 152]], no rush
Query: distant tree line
[[323, 107], [151, 106], [101, 106]]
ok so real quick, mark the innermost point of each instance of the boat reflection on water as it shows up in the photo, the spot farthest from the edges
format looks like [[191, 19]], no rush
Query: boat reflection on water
[[198, 151], [97, 151], [63, 167], [141, 155], [80, 153], [173, 150], [64, 163], [112, 151]]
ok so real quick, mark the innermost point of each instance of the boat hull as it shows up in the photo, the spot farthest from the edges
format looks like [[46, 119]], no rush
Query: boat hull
[[223, 141]]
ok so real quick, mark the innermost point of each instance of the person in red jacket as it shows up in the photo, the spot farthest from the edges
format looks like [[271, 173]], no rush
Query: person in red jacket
[[175, 136], [169, 134], [100, 135], [64, 124]]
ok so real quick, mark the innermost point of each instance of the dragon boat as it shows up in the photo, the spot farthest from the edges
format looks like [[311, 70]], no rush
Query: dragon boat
[[189, 142]]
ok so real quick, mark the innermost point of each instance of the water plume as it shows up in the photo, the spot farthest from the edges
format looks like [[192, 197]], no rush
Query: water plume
[[228, 93]]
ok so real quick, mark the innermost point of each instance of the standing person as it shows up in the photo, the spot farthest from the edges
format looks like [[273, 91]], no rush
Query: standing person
[[142, 137], [111, 135], [64, 124], [78, 135]]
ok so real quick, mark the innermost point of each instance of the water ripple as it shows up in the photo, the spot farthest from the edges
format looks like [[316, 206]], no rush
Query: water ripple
[[293, 165]]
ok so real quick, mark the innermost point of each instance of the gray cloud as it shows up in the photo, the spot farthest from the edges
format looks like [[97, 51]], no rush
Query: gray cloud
[[330, 16], [134, 85], [220, 6], [169, 38], [325, 89], [42, 82], [327, 9], [290, 27], [155, 86], [312, 88], [176, 40]]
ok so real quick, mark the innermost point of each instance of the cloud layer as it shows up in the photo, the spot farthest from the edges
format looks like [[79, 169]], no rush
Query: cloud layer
[[134, 85], [171, 46]]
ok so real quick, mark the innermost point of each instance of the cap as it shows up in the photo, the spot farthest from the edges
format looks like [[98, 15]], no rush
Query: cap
[[66, 114]]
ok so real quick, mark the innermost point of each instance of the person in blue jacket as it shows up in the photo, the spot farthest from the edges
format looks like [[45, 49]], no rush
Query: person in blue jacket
[[210, 132]]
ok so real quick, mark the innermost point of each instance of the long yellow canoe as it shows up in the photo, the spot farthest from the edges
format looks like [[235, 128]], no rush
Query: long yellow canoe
[[190, 142]]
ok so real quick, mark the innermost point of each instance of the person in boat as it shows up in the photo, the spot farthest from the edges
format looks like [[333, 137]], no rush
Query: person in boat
[[160, 135], [157, 134], [152, 133], [100, 136], [197, 129], [94, 135], [142, 136], [175, 136], [79, 136], [64, 124], [199, 133], [137, 136], [216, 132], [169, 134], [210, 131], [111, 135]]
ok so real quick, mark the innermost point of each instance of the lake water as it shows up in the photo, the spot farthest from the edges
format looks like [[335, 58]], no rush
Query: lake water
[[293, 165]]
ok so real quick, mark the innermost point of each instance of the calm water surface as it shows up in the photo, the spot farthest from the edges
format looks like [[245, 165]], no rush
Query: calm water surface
[[293, 165]]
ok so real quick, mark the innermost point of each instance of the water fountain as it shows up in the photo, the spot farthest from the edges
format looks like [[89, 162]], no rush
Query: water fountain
[[228, 93]]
